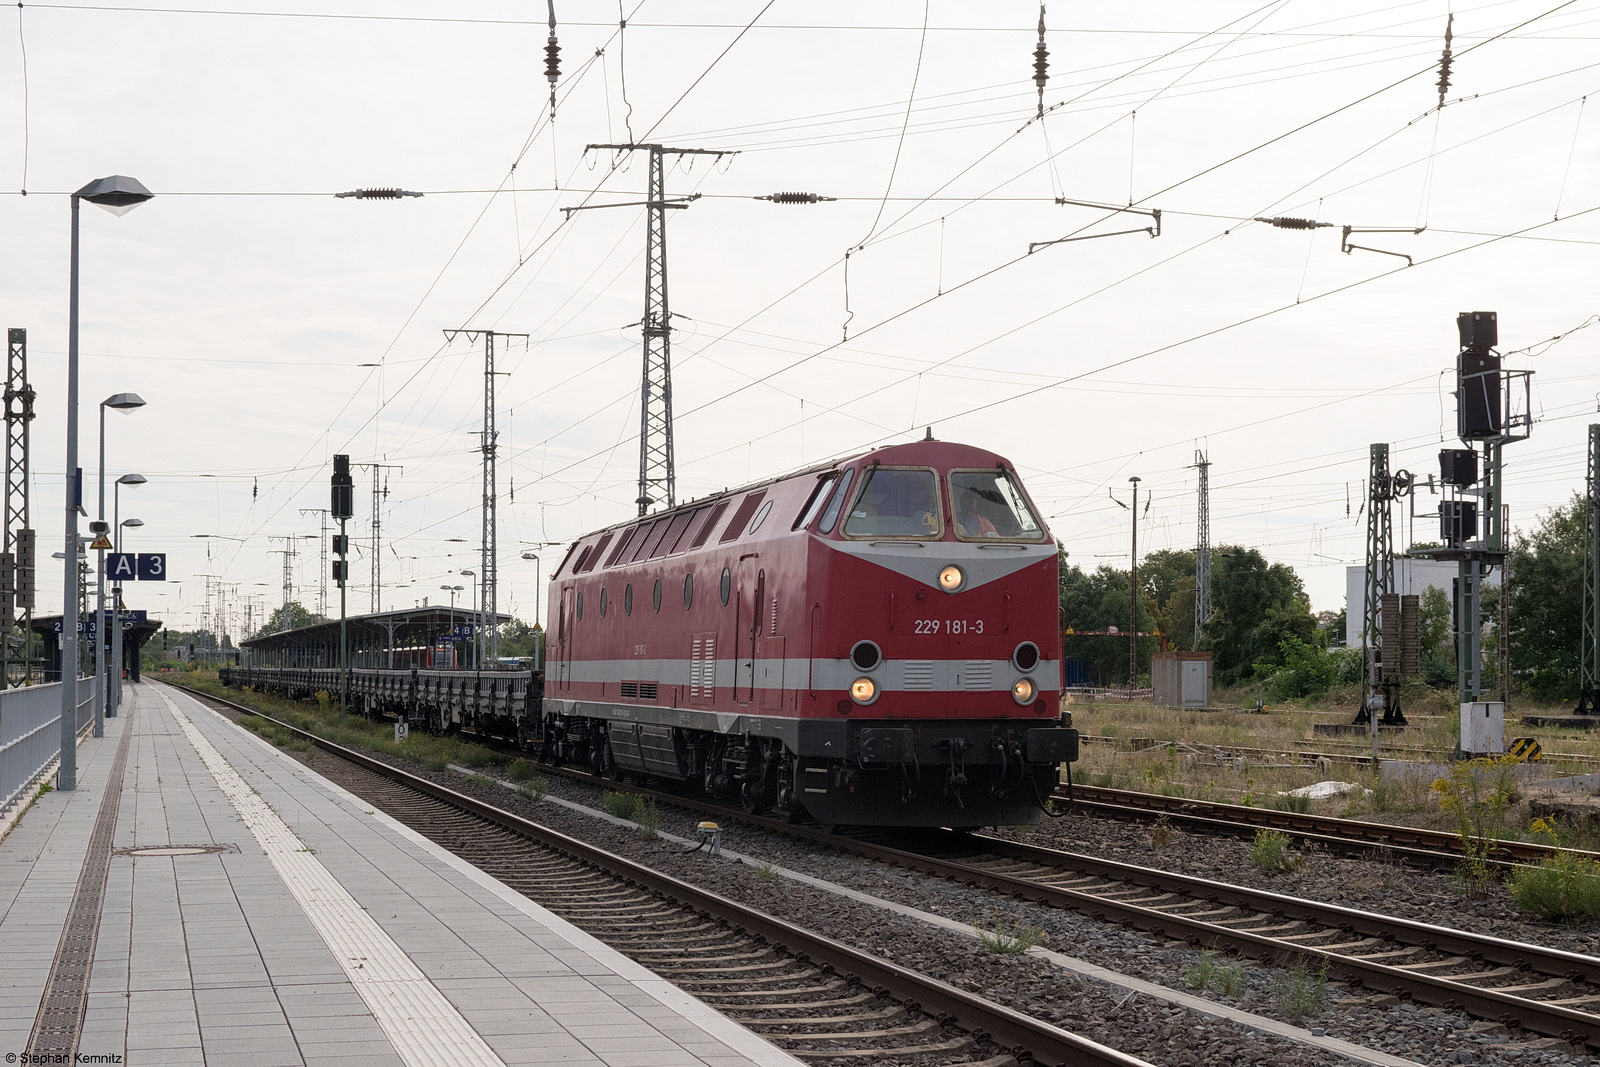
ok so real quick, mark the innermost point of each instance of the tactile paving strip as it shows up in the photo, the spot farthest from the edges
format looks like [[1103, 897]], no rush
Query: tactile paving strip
[[66, 993]]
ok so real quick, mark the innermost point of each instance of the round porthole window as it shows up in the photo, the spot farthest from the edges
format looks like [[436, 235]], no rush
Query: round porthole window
[[727, 586], [655, 597], [688, 591], [627, 599], [604, 602]]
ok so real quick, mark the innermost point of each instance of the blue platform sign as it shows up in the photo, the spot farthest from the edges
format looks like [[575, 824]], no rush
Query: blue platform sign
[[462, 632], [136, 567]]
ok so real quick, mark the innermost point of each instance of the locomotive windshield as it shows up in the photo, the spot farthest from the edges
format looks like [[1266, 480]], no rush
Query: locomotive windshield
[[895, 502], [989, 505]]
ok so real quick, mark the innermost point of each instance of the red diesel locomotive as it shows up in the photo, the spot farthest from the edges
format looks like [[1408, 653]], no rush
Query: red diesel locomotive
[[873, 641]]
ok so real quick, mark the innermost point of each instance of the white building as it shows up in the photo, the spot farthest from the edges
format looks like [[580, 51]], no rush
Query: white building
[[1412, 577]]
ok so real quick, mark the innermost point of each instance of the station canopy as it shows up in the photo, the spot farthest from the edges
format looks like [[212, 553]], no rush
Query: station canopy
[[385, 639]]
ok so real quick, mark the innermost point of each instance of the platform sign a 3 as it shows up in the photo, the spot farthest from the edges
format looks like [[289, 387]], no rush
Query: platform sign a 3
[[136, 567]]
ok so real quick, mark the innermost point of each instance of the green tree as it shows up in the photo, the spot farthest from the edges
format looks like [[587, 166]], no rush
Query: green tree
[[1255, 606], [1434, 647], [1546, 603], [297, 615]]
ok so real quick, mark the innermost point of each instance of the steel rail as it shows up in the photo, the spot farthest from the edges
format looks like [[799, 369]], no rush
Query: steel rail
[[1545, 1017], [1022, 1035], [1403, 841]]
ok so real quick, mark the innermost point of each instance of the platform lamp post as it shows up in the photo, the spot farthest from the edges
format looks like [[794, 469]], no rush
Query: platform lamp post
[[113, 699], [117, 194], [452, 590], [116, 606], [105, 706]]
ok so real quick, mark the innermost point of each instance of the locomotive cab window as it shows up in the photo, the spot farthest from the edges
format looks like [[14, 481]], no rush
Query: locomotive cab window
[[896, 502], [819, 497], [836, 503], [990, 506]]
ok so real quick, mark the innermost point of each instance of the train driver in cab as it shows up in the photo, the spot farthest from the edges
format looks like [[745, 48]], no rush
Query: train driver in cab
[[970, 520]]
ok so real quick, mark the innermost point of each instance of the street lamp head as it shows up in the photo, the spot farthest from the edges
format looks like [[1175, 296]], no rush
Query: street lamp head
[[132, 479], [530, 555], [469, 574], [123, 402], [118, 194], [133, 522], [1135, 479]]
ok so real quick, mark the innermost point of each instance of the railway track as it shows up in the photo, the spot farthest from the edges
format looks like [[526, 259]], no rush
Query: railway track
[[1546, 991], [818, 999], [1434, 848]]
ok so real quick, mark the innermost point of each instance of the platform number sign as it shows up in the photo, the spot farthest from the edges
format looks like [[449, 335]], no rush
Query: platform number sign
[[1526, 749], [136, 566]]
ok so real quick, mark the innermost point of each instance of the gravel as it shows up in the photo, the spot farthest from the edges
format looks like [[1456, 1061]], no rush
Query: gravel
[[1133, 1023]]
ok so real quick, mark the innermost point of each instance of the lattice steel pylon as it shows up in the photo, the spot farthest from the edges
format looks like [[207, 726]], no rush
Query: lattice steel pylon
[[1202, 546], [1379, 578], [1589, 650], [16, 554], [322, 562], [658, 480], [486, 638], [380, 492]]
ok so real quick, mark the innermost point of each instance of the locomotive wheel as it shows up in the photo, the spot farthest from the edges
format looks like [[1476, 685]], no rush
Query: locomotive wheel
[[750, 796]]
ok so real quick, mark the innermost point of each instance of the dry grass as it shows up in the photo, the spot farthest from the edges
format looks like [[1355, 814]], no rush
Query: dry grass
[[1192, 753]]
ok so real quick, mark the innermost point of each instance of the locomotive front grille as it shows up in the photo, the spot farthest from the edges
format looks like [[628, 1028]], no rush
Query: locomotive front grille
[[919, 674], [977, 674]]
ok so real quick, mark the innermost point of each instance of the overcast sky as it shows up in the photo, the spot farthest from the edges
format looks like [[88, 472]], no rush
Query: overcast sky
[[248, 305]]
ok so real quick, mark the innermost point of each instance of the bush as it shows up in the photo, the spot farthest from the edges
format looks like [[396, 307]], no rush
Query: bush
[[1270, 854], [1009, 940], [1286, 802], [1208, 973], [647, 816], [1301, 992], [1478, 793], [1564, 888], [1307, 671], [622, 805]]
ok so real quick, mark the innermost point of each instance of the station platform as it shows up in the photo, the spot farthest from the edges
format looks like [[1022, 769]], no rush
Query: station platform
[[201, 898]]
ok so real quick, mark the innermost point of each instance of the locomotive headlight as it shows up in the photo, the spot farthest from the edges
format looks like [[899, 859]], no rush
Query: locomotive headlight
[[951, 578], [1023, 691], [863, 690]]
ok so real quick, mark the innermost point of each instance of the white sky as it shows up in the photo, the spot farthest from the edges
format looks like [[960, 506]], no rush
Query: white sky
[[242, 301]]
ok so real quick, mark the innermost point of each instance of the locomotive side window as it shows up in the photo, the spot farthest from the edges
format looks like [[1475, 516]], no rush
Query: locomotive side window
[[831, 515], [589, 559], [709, 524], [627, 599], [896, 502], [652, 536], [819, 497], [584, 555], [655, 597], [726, 589], [989, 505], [761, 517], [622, 545], [580, 606], [688, 591], [603, 599], [680, 522], [747, 508]]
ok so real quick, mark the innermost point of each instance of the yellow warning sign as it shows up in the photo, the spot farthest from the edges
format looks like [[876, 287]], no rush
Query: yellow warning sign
[[101, 544], [1526, 749]]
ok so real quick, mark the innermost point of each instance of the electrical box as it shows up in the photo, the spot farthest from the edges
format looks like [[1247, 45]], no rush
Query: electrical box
[[1458, 521], [1483, 728], [1478, 329], [1458, 467], [1181, 679]]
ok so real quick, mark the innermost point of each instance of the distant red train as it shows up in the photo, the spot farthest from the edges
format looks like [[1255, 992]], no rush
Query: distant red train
[[873, 641]]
